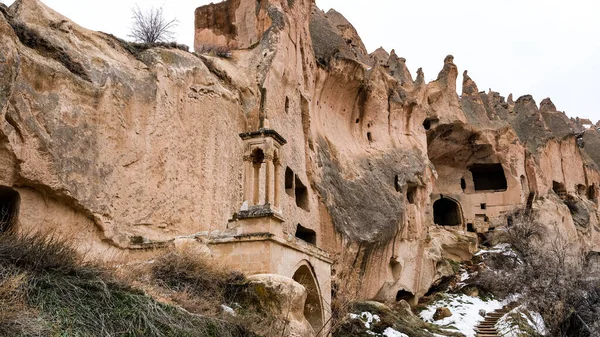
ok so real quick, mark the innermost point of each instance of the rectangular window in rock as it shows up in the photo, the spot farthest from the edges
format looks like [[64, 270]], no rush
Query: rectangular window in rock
[[488, 177]]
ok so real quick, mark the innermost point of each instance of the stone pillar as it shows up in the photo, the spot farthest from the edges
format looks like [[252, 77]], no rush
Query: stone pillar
[[256, 184], [269, 179], [277, 185], [248, 179]]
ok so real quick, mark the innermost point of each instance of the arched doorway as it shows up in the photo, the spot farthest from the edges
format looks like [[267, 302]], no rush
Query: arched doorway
[[446, 212], [9, 208], [313, 310]]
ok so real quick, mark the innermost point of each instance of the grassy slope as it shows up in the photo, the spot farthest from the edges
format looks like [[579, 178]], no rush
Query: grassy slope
[[46, 289]]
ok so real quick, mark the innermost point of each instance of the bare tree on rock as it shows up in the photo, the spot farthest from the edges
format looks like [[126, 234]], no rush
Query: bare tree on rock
[[150, 26]]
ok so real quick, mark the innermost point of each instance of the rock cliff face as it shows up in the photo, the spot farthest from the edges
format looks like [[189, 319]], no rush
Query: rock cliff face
[[123, 149]]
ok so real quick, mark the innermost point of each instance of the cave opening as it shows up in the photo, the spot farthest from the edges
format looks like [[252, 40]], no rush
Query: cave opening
[[411, 193], [369, 137], [404, 295], [10, 201], [559, 189], [471, 228], [289, 181], [306, 234], [463, 184], [301, 193], [446, 212], [488, 177], [591, 193], [427, 124]]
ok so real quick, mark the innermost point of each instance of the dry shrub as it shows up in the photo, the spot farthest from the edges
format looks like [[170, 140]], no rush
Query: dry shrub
[[551, 273], [346, 282], [198, 282], [215, 50]]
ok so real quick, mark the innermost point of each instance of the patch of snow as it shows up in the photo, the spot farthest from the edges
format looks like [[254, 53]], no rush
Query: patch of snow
[[465, 312], [227, 309], [389, 332], [464, 276], [507, 327], [503, 248], [367, 318]]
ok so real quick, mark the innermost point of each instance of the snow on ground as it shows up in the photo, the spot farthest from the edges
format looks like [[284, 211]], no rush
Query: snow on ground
[[368, 318], [507, 326], [465, 312], [503, 248]]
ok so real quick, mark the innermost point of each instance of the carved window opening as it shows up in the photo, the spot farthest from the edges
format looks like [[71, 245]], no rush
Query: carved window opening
[[289, 182], [427, 124], [488, 177], [369, 137], [10, 201], [471, 228], [446, 213], [592, 193], [463, 184], [301, 193], [411, 193], [287, 104], [357, 120], [306, 234], [483, 206], [559, 189], [581, 190], [313, 310]]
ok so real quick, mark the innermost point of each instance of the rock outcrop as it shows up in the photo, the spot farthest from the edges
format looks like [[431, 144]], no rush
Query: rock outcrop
[[124, 150]]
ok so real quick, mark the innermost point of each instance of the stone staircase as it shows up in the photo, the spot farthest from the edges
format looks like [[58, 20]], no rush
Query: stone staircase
[[487, 327]]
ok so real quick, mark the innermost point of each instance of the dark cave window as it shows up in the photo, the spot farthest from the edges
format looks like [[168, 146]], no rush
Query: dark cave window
[[306, 234], [289, 181], [411, 193], [404, 295], [301, 193], [427, 124], [9, 208], [446, 213], [483, 206], [463, 184], [287, 104], [591, 193], [559, 189], [471, 228], [488, 177], [369, 137], [357, 120]]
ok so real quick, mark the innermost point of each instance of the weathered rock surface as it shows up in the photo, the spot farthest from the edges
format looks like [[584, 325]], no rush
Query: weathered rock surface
[[126, 150]]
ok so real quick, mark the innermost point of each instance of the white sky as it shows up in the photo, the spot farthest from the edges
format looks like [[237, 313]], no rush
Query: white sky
[[547, 48]]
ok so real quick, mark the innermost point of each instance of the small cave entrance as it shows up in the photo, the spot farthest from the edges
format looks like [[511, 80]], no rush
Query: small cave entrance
[[313, 310], [463, 184], [10, 201], [289, 181], [559, 189], [592, 194], [446, 212], [488, 177], [581, 190], [404, 295], [301, 193], [427, 124], [306, 234], [471, 228], [411, 193]]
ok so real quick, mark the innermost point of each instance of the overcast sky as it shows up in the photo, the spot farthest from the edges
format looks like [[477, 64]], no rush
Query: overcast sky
[[547, 48]]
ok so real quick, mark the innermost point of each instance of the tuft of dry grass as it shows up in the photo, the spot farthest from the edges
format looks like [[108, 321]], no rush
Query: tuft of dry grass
[[46, 286], [197, 283]]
